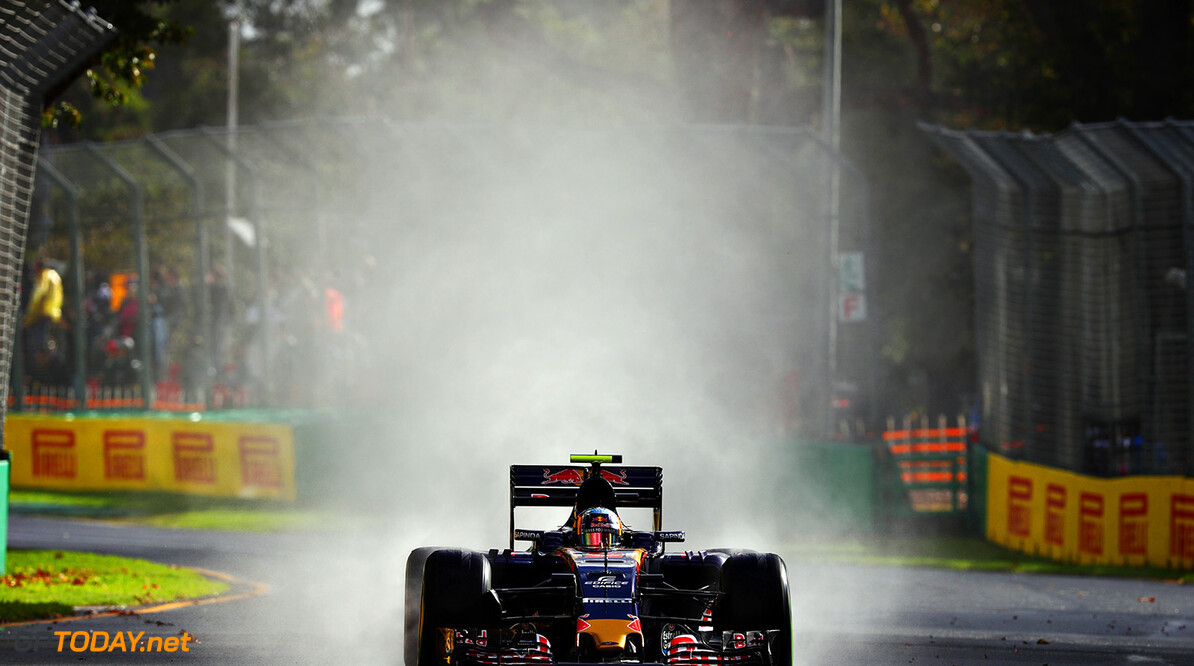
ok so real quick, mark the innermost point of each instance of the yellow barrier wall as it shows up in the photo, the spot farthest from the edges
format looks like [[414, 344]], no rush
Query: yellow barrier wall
[[223, 459], [1131, 521]]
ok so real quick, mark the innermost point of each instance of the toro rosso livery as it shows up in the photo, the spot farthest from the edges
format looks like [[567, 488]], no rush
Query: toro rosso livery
[[594, 590]]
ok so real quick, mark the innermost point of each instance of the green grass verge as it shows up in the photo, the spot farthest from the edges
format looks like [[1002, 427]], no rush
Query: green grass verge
[[963, 552], [51, 583], [167, 510]]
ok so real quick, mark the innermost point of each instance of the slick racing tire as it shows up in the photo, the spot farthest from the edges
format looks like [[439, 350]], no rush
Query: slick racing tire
[[754, 596], [454, 585], [412, 603]]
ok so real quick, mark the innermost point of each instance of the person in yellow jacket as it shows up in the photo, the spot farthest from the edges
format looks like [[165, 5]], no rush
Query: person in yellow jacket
[[44, 309]]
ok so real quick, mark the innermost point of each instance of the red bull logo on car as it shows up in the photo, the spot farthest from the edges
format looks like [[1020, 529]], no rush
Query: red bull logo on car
[[567, 476], [617, 479], [571, 476]]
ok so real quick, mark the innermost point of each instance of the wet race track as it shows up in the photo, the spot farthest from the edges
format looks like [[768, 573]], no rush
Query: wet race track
[[312, 609]]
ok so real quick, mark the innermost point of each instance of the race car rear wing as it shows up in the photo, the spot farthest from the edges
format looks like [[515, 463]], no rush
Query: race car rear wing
[[557, 485]]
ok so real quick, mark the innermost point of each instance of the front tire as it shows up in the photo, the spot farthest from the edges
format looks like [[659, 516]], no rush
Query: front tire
[[413, 603], [754, 589], [455, 583]]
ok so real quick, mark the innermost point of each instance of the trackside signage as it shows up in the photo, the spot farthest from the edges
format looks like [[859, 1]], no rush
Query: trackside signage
[[222, 459], [1130, 521]]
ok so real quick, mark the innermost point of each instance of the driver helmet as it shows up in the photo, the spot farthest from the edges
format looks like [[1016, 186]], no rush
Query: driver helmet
[[598, 529]]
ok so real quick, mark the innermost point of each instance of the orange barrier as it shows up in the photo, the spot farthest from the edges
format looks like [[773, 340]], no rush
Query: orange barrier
[[929, 459], [168, 397]]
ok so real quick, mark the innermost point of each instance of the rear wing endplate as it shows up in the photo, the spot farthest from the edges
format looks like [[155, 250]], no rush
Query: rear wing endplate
[[557, 485]]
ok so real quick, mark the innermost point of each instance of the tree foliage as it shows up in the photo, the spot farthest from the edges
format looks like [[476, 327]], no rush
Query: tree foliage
[[1044, 65], [701, 60], [121, 68]]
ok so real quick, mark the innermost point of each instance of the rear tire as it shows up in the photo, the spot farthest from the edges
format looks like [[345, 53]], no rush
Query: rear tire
[[454, 585], [754, 597]]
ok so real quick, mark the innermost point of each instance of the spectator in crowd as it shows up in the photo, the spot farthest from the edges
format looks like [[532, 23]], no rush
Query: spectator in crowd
[[126, 316], [221, 314], [166, 300], [44, 310], [120, 362], [194, 370], [99, 318], [49, 367], [173, 298], [121, 366], [297, 349], [1098, 442]]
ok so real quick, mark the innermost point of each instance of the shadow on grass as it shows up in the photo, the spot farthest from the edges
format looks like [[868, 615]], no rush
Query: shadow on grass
[[21, 611], [165, 509]]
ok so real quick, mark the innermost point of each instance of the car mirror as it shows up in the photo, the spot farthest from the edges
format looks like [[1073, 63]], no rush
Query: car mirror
[[549, 541]]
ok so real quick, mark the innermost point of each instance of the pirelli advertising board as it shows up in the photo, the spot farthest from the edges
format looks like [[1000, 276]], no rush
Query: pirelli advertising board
[[225, 459], [1130, 521]]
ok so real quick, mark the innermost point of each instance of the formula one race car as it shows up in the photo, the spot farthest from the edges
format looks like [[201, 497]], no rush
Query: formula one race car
[[594, 590]]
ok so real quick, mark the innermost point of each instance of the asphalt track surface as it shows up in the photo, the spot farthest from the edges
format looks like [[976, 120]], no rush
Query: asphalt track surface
[[297, 603]]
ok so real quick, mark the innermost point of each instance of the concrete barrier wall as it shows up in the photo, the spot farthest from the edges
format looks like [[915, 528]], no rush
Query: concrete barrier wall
[[835, 482]]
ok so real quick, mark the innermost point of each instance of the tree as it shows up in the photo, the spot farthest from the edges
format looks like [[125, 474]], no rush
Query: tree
[[122, 68], [1042, 65]]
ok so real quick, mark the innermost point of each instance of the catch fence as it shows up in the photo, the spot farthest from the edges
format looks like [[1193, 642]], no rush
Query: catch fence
[[1083, 245], [43, 46], [275, 236]]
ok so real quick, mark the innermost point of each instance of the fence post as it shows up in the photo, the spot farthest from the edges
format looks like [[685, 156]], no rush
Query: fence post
[[955, 484], [5, 458]]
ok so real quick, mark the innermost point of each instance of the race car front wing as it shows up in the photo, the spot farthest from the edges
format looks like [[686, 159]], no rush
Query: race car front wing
[[681, 646]]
